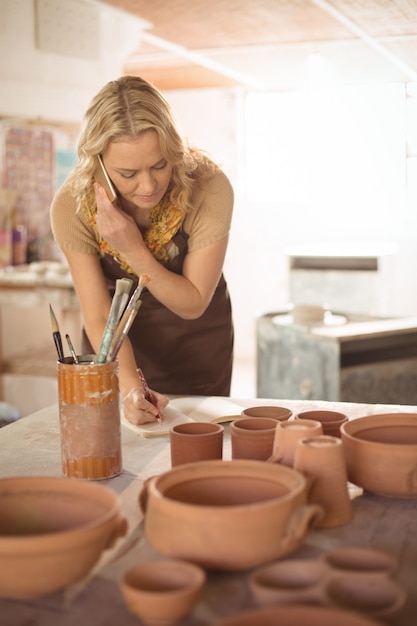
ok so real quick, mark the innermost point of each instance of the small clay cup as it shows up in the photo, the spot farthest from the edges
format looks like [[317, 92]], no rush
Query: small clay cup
[[162, 593], [252, 438], [196, 441], [286, 436], [322, 460], [278, 413], [331, 421]]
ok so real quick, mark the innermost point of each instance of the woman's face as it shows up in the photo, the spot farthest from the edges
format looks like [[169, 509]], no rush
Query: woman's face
[[138, 169]]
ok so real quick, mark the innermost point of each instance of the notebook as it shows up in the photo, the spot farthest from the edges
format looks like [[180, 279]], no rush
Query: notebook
[[180, 410]]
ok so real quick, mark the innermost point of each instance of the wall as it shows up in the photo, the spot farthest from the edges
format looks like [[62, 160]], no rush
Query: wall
[[49, 86]]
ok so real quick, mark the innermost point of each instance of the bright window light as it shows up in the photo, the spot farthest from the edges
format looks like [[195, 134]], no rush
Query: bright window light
[[327, 151]]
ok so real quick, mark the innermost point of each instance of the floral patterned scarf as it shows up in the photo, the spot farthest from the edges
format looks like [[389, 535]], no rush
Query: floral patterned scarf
[[165, 221]]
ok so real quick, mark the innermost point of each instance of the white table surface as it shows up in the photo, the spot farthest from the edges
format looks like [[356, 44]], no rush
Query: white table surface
[[31, 446]]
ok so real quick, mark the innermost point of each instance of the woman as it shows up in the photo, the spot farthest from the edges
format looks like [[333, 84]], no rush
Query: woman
[[171, 222]]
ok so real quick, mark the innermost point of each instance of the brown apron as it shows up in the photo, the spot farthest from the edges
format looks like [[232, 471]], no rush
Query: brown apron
[[177, 356]]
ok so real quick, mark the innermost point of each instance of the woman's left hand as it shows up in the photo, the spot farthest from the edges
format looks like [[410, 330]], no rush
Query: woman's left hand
[[114, 225]]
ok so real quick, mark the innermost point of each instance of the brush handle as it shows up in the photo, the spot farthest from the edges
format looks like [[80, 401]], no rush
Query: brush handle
[[58, 344], [123, 329], [117, 303], [148, 393]]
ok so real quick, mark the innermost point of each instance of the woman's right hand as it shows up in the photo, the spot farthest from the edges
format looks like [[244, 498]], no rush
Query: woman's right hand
[[138, 410]]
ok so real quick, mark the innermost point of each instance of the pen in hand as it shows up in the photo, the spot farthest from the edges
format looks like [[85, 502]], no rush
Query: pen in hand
[[148, 393]]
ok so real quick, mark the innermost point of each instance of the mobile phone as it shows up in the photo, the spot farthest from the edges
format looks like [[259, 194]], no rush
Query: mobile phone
[[101, 176]]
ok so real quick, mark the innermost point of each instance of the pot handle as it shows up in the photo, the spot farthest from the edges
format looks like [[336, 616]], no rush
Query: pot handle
[[299, 522], [143, 494], [119, 530]]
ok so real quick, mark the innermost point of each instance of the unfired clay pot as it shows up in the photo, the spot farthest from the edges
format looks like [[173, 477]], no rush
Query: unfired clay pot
[[286, 436], [381, 453], [162, 593], [227, 515], [252, 437], [275, 412], [331, 421], [195, 441], [322, 460], [52, 532]]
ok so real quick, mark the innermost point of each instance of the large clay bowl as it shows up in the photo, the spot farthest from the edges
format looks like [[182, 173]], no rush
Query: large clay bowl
[[381, 453], [228, 515], [52, 532]]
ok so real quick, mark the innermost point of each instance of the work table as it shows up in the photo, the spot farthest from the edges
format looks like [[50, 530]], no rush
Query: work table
[[31, 446]]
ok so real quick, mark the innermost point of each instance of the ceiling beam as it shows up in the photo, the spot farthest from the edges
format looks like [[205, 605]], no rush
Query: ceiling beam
[[368, 39], [204, 61]]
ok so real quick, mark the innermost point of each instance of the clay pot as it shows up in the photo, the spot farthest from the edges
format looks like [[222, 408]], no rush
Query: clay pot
[[279, 413], [331, 421], [196, 441], [381, 453], [52, 532], [252, 437], [227, 515], [162, 593], [322, 460], [286, 436], [293, 615]]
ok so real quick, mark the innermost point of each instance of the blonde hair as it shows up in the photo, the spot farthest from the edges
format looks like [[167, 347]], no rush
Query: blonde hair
[[128, 107]]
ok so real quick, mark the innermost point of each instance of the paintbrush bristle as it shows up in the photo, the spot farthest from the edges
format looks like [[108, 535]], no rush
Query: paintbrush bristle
[[144, 280], [54, 323]]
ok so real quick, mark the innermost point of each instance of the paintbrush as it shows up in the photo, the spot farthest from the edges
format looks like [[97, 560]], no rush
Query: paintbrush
[[56, 335], [71, 349], [125, 323], [143, 281], [120, 296], [148, 393], [128, 316]]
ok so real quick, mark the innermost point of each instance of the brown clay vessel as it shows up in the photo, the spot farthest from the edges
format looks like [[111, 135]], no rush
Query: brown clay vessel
[[275, 412], [331, 421], [52, 532], [322, 460], [381, 453], [227, 515], [195, 441], [252, 437], [286, 436], [162, 593]]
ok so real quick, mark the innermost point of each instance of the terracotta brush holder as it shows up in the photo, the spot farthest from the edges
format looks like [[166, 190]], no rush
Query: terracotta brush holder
[[89, 418], [322, 460]]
